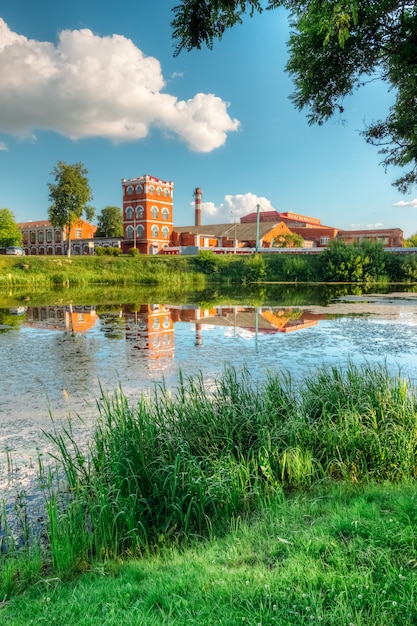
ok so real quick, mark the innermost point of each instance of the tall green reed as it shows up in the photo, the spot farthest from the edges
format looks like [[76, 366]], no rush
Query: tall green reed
[[187, 463]]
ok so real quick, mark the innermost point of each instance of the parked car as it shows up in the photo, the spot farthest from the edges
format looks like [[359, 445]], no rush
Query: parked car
[[16, 250]]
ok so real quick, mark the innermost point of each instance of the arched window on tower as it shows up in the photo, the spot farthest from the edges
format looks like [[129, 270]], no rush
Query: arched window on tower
[[129, 232], [139, 231], [154, 212], [165, 213], [155, 231], [166, 192], [151, 189], [158, 191], [139, 188], [129, 190], [139, 211], [129, 213], [165, 232]]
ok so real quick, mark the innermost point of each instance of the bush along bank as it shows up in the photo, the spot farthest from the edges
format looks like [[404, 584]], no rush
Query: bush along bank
[[339, 262]]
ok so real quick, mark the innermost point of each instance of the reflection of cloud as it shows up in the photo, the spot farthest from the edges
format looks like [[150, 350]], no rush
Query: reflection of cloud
[[91, 86], [403, 203], [234, 207], [3, 145], [242, 333]]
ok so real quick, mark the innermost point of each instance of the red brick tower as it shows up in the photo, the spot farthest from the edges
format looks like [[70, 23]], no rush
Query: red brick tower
[[147, 213], [197, 200]]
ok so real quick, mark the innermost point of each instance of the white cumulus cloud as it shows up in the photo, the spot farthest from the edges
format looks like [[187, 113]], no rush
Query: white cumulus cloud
[[410, 203], [91, 86], [234, 207]]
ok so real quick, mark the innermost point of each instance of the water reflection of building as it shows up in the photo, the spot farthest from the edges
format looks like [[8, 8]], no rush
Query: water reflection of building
[[151, 328], [76, 319], [262, 320], [253, 319]]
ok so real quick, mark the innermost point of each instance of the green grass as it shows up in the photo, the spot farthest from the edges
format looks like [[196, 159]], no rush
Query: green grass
[[308, 489], [338, 555], [40, 272]]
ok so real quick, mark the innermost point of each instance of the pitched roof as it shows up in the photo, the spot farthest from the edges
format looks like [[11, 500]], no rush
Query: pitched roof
[[244, 232]]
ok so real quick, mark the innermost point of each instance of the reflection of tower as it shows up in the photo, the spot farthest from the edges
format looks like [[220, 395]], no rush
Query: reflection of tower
[[198, 334], [151, 329], [197, 198]]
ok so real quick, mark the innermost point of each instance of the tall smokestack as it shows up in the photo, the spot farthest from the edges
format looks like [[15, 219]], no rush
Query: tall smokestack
[[197, 197]]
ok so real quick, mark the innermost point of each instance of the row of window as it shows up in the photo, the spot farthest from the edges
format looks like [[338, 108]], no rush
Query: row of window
[[143, 324], [140, 231], [151, 189], [31, 237], [140, 211]]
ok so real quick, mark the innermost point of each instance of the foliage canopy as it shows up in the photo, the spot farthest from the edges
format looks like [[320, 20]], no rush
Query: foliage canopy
[[335, 47], [110, 222], [69, 195], [10, 234]]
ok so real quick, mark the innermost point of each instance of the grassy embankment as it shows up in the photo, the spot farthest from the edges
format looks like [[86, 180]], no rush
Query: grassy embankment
[[304, 494], [363, 264], [43, 272]]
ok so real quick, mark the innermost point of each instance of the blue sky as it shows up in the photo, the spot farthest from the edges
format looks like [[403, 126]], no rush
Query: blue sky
[[98, 83]]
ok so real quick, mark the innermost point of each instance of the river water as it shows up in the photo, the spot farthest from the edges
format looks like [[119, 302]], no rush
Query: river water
[[56, 361]]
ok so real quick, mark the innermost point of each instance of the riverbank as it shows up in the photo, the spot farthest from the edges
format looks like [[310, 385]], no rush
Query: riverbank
[[43, 272], [229, 505], [362, 264]]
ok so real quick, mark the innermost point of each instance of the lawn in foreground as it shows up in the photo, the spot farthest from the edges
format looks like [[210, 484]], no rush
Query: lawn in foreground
[[338, 554]]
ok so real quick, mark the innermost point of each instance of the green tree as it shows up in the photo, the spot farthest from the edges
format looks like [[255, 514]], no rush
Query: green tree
[[411, 242], [409, 268], [255, 268], [365, 262], [290, 240], [10, 234], [70, 195], [335, 47], [110, 222]]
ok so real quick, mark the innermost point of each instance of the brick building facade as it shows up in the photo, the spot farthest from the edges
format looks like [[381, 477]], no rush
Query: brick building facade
[[40, 237], [147, 213]]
